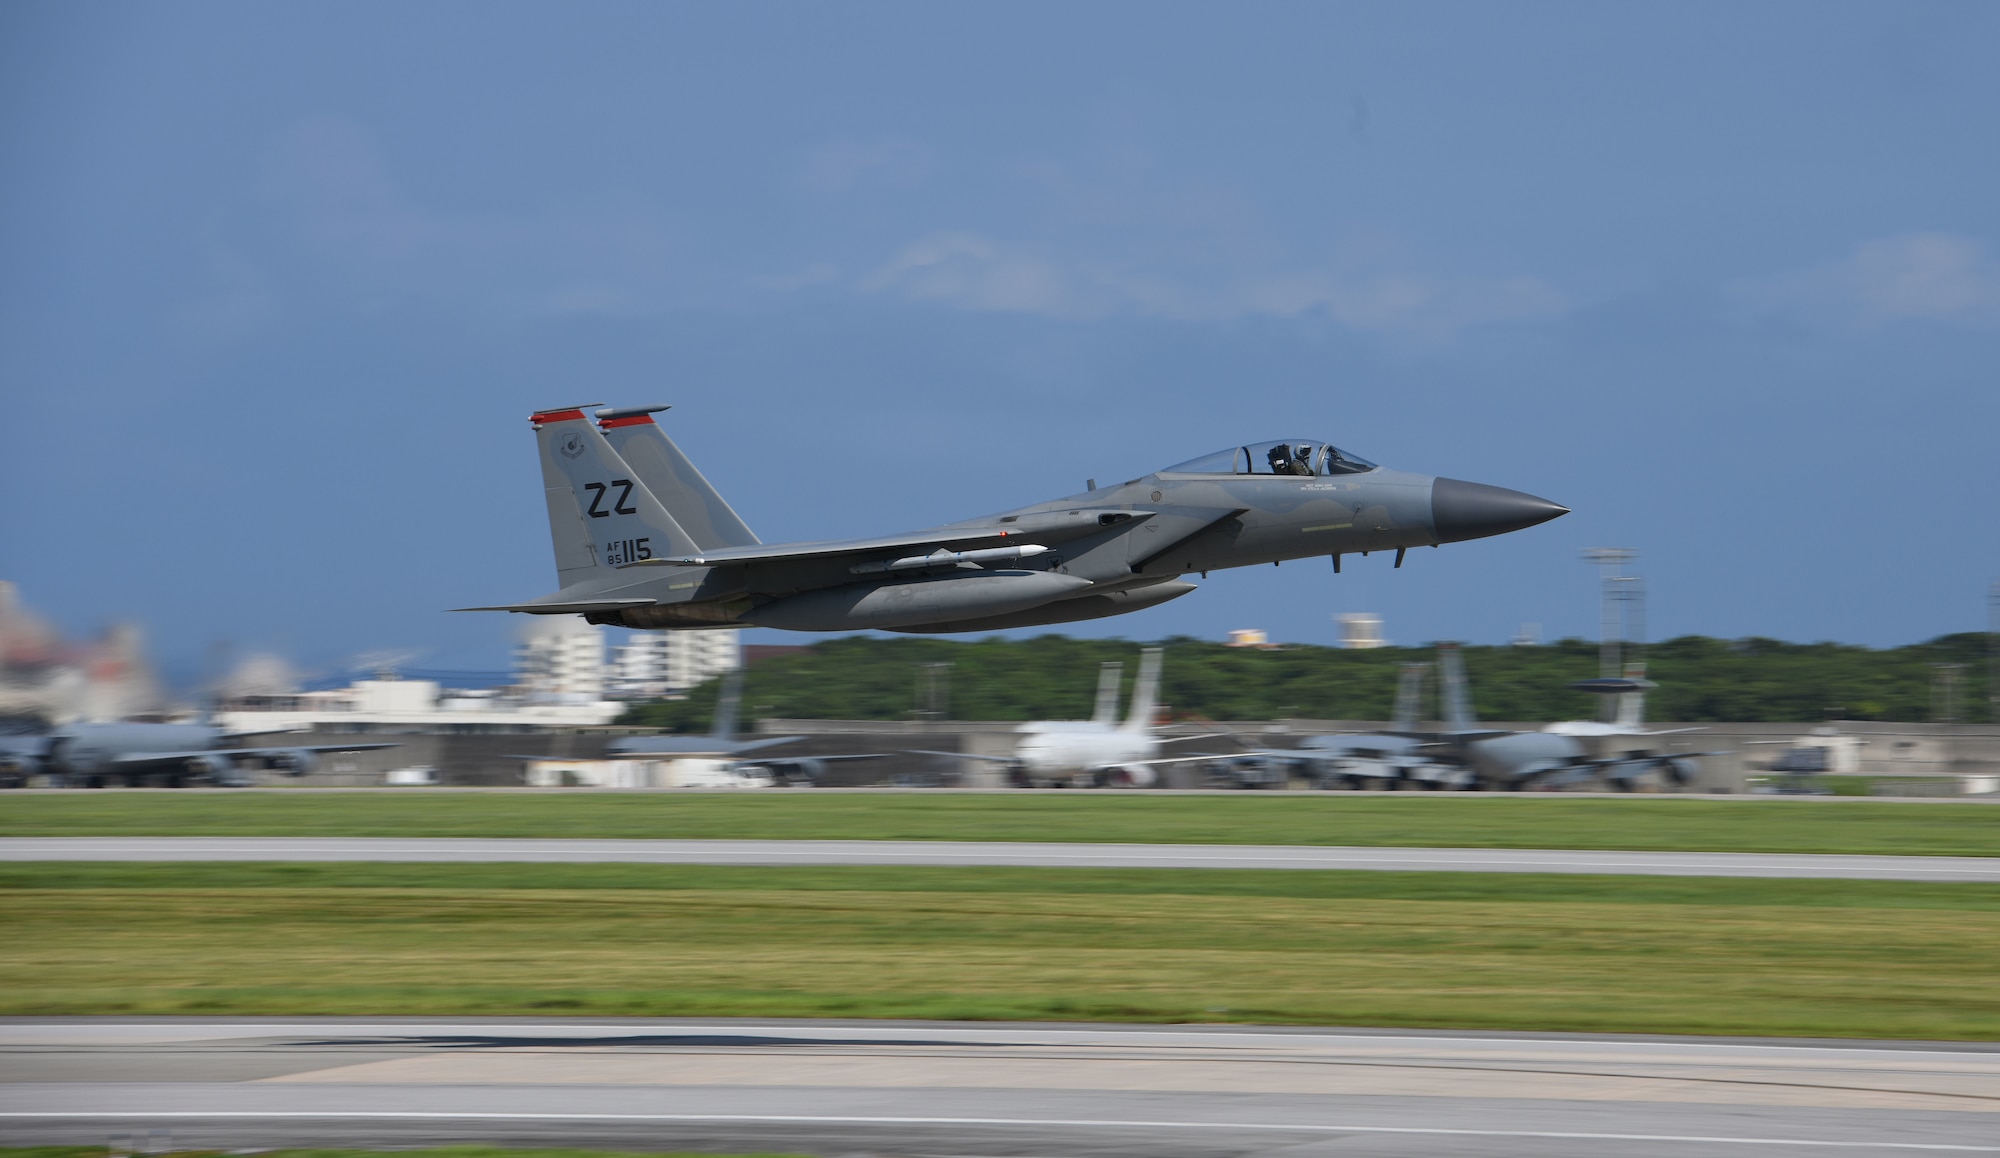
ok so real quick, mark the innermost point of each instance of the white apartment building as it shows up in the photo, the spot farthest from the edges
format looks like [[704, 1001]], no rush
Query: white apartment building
[[664, 663], [562, 660]]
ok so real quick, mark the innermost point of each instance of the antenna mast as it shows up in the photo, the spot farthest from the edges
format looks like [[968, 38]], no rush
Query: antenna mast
[[1611, 600]]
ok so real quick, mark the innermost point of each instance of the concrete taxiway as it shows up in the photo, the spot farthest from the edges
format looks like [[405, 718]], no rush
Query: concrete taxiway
[[468, 850], [984, 1088]]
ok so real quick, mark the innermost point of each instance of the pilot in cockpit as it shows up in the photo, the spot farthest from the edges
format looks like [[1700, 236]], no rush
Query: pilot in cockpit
[[1284, 461]]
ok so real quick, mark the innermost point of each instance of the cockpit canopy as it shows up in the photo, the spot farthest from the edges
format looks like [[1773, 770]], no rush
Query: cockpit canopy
[[1289, 456]]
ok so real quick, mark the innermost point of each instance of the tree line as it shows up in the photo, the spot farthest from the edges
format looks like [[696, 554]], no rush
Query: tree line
[[1055, 677]]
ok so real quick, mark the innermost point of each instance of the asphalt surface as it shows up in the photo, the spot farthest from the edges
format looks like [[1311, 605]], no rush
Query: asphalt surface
[[466, 850], [837, 1088]]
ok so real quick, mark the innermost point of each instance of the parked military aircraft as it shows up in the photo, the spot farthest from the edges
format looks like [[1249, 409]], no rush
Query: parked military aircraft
[[1510, 761], [1630, 717], [721, 742], [642, 540], [1401, 757], [1099, 751], [170, 755]]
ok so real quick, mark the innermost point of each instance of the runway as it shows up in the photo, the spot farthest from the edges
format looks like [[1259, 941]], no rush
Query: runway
[[984, 1089], [468, 850]]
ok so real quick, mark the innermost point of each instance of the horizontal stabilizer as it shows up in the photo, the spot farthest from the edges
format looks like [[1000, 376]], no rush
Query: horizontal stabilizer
[[582, 607]]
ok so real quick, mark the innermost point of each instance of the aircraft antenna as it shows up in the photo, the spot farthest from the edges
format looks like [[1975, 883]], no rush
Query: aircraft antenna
[[1993, 652], [1611, 606], [933, 691]]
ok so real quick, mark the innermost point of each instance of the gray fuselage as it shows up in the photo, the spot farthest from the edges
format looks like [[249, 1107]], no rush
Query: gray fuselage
[[1114, 547]]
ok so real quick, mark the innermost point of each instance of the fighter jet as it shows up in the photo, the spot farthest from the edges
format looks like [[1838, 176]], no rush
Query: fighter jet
[[170, 755], [1098, 752], [643, 541], [722, 742]]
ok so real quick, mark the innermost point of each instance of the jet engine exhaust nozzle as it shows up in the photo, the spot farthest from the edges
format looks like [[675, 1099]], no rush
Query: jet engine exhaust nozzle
[[1469, 510]]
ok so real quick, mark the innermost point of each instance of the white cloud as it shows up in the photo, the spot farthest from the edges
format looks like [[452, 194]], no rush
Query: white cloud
[[816, 274], [328, 219], [1412, 303], [235, 300], [839, 166], [1937, 277], [975, 272]]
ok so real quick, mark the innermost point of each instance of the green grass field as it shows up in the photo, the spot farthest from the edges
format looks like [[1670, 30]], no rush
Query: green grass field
[[1480, 821], [1664, 955]]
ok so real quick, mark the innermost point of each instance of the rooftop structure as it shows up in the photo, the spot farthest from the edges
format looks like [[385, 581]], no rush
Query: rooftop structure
[[388, 704]]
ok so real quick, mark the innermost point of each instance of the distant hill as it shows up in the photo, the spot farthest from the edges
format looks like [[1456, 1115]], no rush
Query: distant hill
[[1054, 677]]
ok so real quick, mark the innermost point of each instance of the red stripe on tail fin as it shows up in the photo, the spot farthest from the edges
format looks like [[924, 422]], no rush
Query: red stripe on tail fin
[[627, 420]]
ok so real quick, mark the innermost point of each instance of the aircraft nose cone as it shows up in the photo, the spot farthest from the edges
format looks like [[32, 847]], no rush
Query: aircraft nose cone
[[1469, 510]]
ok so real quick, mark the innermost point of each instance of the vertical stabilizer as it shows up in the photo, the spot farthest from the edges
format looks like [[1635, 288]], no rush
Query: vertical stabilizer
[[600, 515], [673, 478], [575, 558], [1410, 696], [728, 703], [1145, 692], [1109, 676], [1458, 715]]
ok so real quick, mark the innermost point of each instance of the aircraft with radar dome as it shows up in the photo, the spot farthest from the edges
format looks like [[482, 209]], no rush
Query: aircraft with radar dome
[[642, 540]]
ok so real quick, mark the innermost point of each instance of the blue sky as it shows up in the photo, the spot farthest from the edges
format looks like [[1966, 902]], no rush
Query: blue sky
[[279, 285]]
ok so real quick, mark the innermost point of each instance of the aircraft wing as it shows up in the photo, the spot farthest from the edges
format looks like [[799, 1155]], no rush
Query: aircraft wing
[[149, 759], [1168, 759], [683, 745], [802, 759], [963, 756], [277, 748]]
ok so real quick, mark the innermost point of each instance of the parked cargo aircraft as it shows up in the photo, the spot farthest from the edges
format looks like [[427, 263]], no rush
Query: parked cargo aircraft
[[1099, 751], [170, 755], [642, 540]]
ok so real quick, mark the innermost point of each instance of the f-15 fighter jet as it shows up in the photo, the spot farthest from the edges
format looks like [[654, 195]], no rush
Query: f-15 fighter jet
[[642, 540]]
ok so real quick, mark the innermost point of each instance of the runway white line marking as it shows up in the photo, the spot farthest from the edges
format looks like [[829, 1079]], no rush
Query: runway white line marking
[[802, 1119], [861, 1034], [548, 850]]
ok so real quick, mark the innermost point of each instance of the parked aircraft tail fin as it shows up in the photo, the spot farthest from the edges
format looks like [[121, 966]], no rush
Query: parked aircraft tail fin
[[1145, 692], [1109, 676], [1410, 696], [601, 516], [1458, 716], [673, 478]]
